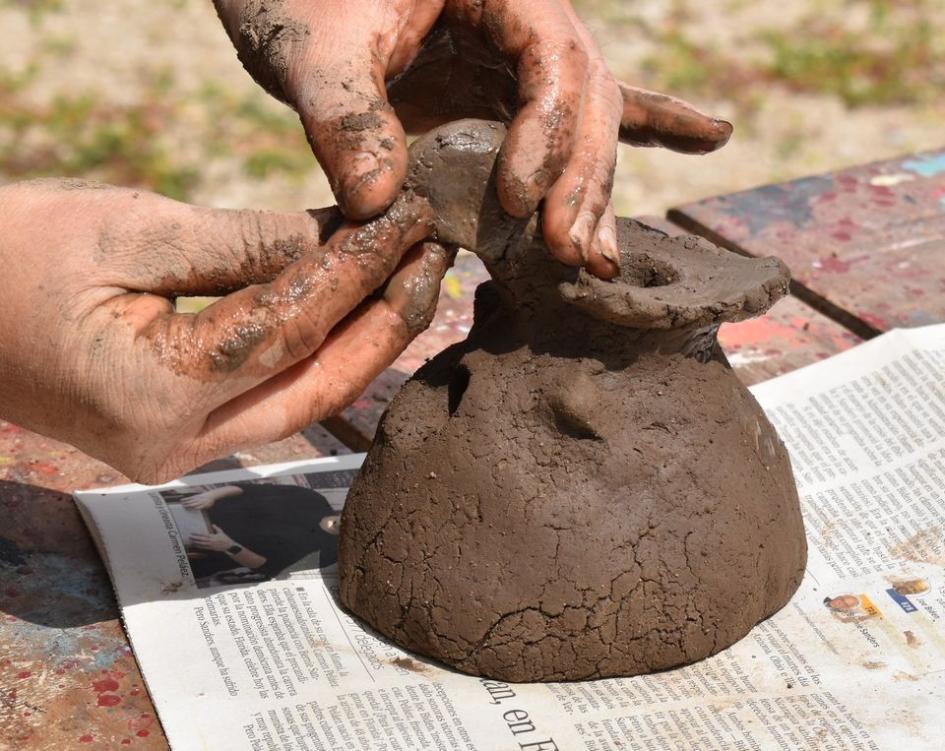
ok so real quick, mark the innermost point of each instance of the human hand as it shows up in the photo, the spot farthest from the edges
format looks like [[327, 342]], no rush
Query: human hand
[[217, 541], [92, 352], [360, 72], [198, 502], [206, 499]]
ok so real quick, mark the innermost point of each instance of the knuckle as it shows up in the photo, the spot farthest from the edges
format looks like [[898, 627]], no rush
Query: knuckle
[[267, 43], [302, 335]]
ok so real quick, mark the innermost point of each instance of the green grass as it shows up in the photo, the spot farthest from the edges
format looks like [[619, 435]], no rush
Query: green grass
[[897, 57], [82, 135], [86, 135]]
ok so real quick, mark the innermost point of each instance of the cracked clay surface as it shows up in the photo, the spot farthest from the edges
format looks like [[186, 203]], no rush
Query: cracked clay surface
[[582, 488]]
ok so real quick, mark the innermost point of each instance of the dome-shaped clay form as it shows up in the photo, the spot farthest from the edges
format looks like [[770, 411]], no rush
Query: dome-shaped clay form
[[582, 488]]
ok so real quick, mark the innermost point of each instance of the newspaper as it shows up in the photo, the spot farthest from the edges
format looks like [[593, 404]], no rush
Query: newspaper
[[251, 650]]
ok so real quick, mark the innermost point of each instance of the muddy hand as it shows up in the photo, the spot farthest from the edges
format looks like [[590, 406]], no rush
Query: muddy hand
[[360, 73], [92, 351]]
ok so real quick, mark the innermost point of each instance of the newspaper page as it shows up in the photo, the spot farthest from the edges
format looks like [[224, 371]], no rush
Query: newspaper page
[[250, 650]]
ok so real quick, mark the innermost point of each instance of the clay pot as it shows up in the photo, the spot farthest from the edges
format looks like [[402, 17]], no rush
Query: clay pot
[[582, 488]]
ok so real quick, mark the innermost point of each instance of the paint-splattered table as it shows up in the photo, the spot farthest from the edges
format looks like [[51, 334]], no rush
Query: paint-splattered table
[[867, 248]]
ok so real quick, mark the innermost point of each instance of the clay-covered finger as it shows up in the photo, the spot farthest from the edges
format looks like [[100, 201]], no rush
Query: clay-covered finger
[[552, 77], [250, 335], [551, 68], [355, 353], [578, 200], [356, 136], [653, 119]]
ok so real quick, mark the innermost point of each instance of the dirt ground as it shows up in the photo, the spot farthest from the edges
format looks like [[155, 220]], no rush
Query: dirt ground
[[150, 94]]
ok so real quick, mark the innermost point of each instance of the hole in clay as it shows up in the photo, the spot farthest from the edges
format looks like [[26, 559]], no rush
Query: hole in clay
[[575, 429], [459, 382], [570, 423], [642, 271]]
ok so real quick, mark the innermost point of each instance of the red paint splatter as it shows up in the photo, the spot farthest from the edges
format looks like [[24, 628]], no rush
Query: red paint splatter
[[834, 264], [85, 738], [847, 182], [141, 724], [44, 468], [106, 684], [23, 674], [126, 741], [109, 700], [135, 691], [875, 321], [841, 236]]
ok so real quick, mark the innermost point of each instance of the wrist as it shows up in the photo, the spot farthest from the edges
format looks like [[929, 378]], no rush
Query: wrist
[[234, 549]]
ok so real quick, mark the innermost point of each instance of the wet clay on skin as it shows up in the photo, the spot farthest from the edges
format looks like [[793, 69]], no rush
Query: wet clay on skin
[[582, 488]]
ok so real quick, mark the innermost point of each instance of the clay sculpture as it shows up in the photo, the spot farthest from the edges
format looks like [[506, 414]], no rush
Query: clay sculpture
[[582, 488]]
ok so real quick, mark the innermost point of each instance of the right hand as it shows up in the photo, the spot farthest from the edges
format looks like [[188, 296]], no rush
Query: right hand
[[361, 73]]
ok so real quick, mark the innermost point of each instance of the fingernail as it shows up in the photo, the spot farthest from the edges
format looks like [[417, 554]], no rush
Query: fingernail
[[611, 255], [362, 168], [580, 233], [608, 245]]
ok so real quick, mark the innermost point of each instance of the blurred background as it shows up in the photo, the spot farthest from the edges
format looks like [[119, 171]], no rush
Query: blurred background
[[149, 93]]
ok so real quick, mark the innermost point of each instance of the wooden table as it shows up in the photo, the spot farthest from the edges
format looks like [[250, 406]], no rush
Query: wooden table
[[867, 249]]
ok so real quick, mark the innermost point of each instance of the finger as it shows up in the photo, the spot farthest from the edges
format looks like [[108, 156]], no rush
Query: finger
[[354, 133], [576, 203], [653, 119], [250, 335], [357, 351], [551, 66]]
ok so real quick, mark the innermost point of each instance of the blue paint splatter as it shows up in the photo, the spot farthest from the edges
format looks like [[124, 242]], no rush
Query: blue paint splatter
[[105, 659], [788, 203], [927, 165]]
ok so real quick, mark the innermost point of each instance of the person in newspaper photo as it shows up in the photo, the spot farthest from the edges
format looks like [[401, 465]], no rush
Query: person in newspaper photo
[[256, 531]]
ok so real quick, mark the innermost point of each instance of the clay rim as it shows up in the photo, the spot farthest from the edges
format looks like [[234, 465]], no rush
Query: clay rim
[[670, 282]]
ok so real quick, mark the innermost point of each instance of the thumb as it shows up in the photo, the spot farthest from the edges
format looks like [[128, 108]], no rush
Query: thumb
[[355, 134]]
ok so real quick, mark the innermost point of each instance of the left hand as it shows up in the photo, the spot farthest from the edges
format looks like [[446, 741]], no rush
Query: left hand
[[92, 351], [362, 73], [217, 541]]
